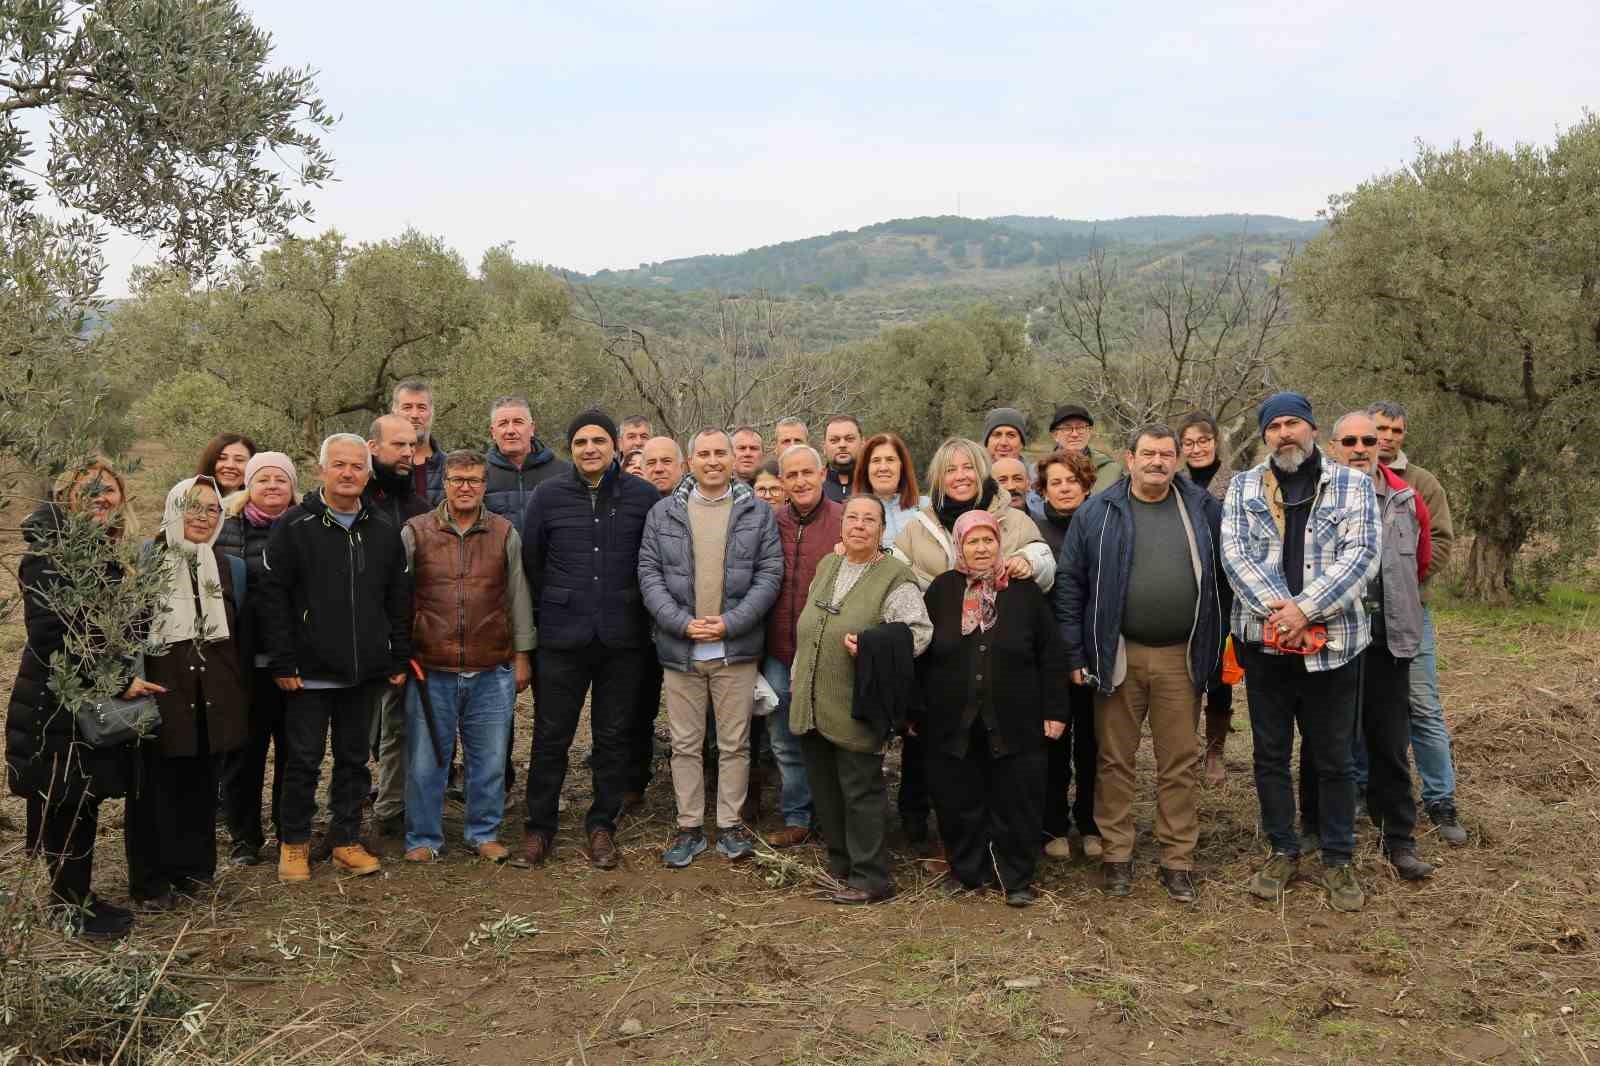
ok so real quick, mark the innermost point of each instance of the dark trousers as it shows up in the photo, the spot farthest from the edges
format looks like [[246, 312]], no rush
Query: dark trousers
[[64, 834], [1074, 751], [851, 806], [244, 771], [309, 716], [561, 681], [991, 813], [170, 834], [641, 728], [1282, 692], [1385, 731], [912, 801]]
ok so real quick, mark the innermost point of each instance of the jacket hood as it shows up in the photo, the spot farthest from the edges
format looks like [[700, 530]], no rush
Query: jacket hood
[[538, 455], [1395, 482], [313, 503]]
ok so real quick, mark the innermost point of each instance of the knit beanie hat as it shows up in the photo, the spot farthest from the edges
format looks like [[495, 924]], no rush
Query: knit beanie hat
[[1280, 404], [270, 461], [592, 417], [1005, 416]]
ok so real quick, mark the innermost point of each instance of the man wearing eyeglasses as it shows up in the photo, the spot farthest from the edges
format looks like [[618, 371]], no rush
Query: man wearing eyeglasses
[[1393, 601], [1300, 539], [472, 632], [1070, 428]]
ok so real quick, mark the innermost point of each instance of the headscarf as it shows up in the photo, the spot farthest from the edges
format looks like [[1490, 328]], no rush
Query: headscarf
[[978, 612], [178, 622]]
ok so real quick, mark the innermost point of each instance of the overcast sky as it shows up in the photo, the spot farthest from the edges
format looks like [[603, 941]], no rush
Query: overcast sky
[[608, 135]]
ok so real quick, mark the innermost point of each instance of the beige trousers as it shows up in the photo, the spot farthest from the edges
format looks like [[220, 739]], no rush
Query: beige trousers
[[730, 689]]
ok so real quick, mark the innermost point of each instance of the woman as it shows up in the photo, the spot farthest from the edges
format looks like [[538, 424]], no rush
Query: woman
[[768, 485], [885, 471], [1200, 443], [172, 815], [633, 463], [1065, 480], [62, 778], [224, 460], [852, 595], [994, 690], [249, 519], [960, 479]]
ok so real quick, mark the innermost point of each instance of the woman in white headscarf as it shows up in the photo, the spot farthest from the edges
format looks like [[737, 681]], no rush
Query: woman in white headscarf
[[172, 810]]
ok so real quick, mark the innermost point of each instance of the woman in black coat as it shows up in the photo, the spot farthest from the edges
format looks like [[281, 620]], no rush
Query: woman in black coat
[[994, 685], [62, 778]]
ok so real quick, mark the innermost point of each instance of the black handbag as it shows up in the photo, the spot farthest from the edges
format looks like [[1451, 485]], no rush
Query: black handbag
[[113, 722]]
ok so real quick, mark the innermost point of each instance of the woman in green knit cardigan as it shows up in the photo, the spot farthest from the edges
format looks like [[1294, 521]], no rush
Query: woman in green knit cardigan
[[844, 757]]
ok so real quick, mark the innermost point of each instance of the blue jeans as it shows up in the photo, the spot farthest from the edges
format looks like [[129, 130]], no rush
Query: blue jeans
[[795, 798], [479, 707], [1430, 738]]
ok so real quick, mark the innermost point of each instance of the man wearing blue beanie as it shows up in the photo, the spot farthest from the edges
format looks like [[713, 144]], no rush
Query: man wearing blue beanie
[[1300, 539]]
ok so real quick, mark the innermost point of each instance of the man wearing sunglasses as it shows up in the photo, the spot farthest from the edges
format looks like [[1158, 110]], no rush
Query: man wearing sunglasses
[[1393, 601], [1300, 539]]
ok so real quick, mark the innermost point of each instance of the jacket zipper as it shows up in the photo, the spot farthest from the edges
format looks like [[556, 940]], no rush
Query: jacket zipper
[[355, 624], [461, 595]]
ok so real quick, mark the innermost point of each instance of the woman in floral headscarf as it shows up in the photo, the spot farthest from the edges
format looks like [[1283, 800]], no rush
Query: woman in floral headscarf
[[995, 687]]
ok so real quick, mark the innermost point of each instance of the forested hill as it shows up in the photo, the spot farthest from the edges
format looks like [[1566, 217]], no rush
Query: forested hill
[[938, 250]]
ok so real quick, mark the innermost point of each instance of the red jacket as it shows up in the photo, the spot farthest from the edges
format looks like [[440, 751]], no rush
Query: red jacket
[[1425, 539], [805, 543]]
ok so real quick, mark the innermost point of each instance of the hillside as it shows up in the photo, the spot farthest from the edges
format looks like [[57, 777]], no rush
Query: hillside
[[943, 250]]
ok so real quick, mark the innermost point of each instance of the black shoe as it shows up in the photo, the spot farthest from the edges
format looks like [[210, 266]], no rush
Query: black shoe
[[167, 901], [102, 921], [243, 853], [1179, 884], [1443, 814], [1408, 866], [1116, 878], [1020, 897]]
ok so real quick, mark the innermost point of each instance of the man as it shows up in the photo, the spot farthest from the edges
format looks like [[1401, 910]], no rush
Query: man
[[1430, 736], [1394, 603], [392, 493], [809, 526], [412, 399], [1070, 428], [581, 555], [662, 462], [1005, 433], [709, 570], [1012, 476], [336, 614], [518, 460], [635, 431], [1300, 540], [472, 633], [748, 452], [843, 440], [788, 432], [1137, 598]]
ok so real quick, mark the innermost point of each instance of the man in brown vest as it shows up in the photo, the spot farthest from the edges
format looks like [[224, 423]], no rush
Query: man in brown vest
[[472, 633]]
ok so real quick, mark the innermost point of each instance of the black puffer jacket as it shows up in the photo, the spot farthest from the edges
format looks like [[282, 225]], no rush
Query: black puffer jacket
[[510, 488], [42, 752], [580, 552], [244, 540], [336, 603]]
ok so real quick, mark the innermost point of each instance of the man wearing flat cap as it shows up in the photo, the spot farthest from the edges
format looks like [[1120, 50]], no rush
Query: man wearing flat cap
[[1071, 426], [1300, 542], [580, 552]]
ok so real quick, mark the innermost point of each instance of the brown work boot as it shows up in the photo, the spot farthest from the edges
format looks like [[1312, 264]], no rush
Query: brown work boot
[[535, 849], [1216, 739], [790, 836], [493, 851], [603, 849], [294, 863], [421, 854], [356, 859]]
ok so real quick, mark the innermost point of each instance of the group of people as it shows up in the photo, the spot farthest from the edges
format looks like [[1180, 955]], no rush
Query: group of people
[[1014, 626]]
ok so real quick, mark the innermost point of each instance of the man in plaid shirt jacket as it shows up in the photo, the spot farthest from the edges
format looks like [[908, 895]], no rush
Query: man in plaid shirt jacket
[[1300, 540]]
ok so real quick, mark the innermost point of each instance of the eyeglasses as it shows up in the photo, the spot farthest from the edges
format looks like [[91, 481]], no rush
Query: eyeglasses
[[464, 482], [1073, 431], [1350, 441], [1197, 442], [207, 512]]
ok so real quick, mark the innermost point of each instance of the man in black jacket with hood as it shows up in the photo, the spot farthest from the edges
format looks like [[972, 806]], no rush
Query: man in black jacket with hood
[[337, 615]]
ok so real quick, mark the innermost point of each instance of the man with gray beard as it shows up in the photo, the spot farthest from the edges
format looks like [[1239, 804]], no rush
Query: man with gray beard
[[1300, 539]]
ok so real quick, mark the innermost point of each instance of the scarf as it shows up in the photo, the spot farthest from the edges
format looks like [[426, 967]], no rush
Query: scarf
[[978, 611], [1058, 518], [193, 580], [949, 510], [259, 518]]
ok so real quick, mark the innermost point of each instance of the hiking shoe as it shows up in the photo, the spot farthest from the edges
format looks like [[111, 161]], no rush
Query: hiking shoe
[[790, 836], [244, 853], [1408, 866], [1116, 878], [1310, 841], [1092, 846], [421, 854], [603, 849], [1179, 884], [1443, 815], [493, 851], [1058, 848], [356, 859], [294, 862], [1344, 892], [1020, 897], [687, 844], [535, 849], [1269, 882], [735, 843], [1216, 773]]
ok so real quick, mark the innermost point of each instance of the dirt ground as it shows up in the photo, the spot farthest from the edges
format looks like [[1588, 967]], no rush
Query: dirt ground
[[1495, 960]]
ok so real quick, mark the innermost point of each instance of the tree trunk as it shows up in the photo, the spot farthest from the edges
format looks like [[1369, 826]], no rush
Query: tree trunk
[[1489, 570]]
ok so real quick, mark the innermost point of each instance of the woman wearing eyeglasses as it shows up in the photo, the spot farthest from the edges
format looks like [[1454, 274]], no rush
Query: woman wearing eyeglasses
[[171, 822], [1206, 464]]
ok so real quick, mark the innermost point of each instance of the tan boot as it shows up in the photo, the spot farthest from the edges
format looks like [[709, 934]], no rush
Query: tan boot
[[294, 863], [356, 859], [1216, 738]]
